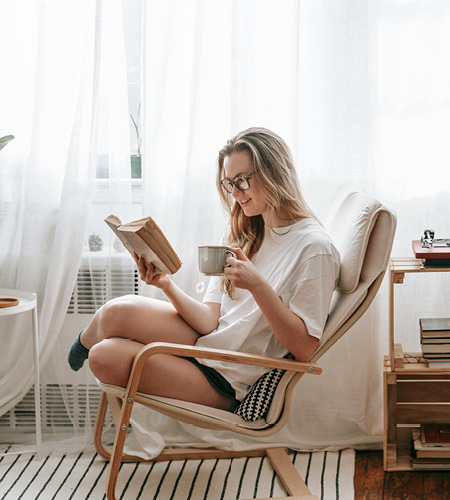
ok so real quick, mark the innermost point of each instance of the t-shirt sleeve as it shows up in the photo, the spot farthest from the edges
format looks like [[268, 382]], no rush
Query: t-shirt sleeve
[[311, 289], [213, 293]]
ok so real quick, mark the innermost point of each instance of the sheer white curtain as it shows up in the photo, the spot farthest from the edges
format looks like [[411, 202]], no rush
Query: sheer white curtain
[[64, 98], [48, 102], [359, 91], [357, 88]]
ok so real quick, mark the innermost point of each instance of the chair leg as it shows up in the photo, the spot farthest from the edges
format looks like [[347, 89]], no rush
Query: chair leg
[[278, 458], [288, 474], [103, 451]]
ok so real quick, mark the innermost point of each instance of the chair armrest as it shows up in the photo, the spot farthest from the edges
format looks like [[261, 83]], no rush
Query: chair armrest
[[206, 353], [224, 355]]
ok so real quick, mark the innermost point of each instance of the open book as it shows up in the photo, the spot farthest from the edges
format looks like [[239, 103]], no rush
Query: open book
[[146, 239]]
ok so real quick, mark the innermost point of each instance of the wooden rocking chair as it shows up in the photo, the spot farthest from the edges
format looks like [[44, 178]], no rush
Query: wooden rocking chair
[[363, 231]]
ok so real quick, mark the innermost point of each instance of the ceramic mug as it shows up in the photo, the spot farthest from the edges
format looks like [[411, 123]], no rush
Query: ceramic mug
[[213, 259]]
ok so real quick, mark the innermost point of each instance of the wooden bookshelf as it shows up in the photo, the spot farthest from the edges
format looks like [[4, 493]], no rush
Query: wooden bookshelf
[[414, 392]]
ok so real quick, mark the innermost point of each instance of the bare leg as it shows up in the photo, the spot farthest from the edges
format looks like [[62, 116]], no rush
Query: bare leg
[[163, 375], [138, 318], [132, 317]]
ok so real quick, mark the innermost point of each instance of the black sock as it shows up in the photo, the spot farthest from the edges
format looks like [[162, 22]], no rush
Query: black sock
[[77, 354]]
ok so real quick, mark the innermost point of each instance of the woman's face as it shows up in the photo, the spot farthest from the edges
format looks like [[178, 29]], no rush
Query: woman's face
[[252, 200]]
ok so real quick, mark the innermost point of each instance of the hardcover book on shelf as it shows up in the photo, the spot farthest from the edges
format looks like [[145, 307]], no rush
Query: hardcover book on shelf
[[437, 256], [434, 328], [437, 435], [438, 363], [146, 239], [436, 349], [430, 463], [440, 357], [430, 452]]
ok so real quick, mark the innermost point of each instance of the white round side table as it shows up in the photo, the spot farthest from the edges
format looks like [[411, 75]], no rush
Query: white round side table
[[27, 302]]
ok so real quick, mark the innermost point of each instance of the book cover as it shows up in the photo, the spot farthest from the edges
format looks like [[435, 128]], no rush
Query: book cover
[[438, 363], [434, 327], [436, 435], [436, 348], [430, 451], [435, 340], [438, 252], [146, 239], [431, 463], [432, 355]]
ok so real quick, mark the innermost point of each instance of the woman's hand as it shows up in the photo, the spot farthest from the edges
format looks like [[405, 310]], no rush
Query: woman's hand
[[148, 274], [242, 273]]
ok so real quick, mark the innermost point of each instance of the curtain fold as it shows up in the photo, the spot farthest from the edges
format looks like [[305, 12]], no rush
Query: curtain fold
[[49, 105], [66, 102]]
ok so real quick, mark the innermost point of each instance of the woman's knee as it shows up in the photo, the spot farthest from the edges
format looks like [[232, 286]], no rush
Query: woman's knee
[[108, 362], [114, 316]]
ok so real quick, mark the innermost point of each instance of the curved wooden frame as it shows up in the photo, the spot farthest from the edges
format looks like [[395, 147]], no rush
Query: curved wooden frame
[[121, 409]]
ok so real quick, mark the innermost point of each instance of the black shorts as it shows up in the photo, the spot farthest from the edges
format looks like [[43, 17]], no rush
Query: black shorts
[[219, 382]]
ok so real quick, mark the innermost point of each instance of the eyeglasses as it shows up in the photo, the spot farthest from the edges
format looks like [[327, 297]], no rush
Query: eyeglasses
[[241, 182]]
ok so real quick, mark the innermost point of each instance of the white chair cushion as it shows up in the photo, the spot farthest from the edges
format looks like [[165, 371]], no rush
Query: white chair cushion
[[350, 221], [205, 411]]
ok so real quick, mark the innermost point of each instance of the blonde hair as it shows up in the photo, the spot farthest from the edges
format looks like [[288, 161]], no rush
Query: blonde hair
[[274, 168]]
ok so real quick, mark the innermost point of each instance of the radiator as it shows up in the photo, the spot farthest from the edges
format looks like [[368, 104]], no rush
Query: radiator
[[65, 404], [62, 406]]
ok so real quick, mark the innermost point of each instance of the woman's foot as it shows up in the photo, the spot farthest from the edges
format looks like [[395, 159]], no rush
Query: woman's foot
[[78, 354]]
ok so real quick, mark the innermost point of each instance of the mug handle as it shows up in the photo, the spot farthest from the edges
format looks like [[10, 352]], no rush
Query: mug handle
[[229, 252]]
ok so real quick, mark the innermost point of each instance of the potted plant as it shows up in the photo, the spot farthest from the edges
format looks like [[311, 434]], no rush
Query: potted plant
[[136, 164]]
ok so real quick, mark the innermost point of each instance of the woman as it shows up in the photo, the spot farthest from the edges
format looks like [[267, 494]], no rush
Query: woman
[[273, 299]]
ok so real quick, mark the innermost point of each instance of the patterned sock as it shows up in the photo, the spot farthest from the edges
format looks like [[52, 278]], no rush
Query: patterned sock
[[77, 354]]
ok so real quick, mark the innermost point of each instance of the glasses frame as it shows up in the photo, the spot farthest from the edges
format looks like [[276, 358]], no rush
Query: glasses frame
[[227, 183]]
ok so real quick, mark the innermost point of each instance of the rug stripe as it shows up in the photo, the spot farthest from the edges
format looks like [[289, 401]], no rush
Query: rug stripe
[[34, 478], [95, 483], [194, 480], [308, 468], [177, 481], [12, 465], [141, 489], [242, 477], [208, 485], [162, 480], [67, 475], [86, 470], [129, 481], [225, 482], [19, 476], [50, 478]]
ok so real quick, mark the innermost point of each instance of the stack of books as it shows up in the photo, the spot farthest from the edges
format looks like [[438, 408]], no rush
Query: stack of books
[[431, 447], [435, 341]]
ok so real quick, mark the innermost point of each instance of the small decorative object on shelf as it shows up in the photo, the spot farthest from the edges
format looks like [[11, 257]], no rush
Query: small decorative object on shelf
[[95, 243]]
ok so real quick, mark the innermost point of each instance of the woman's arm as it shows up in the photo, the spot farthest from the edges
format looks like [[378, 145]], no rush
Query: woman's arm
[[203, 318], [290, 330]]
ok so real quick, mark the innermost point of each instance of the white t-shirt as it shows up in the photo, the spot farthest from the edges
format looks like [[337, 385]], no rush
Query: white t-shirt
[[302, 265]]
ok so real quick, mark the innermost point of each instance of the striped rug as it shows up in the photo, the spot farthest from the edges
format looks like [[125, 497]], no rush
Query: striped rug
[[329, 475]]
